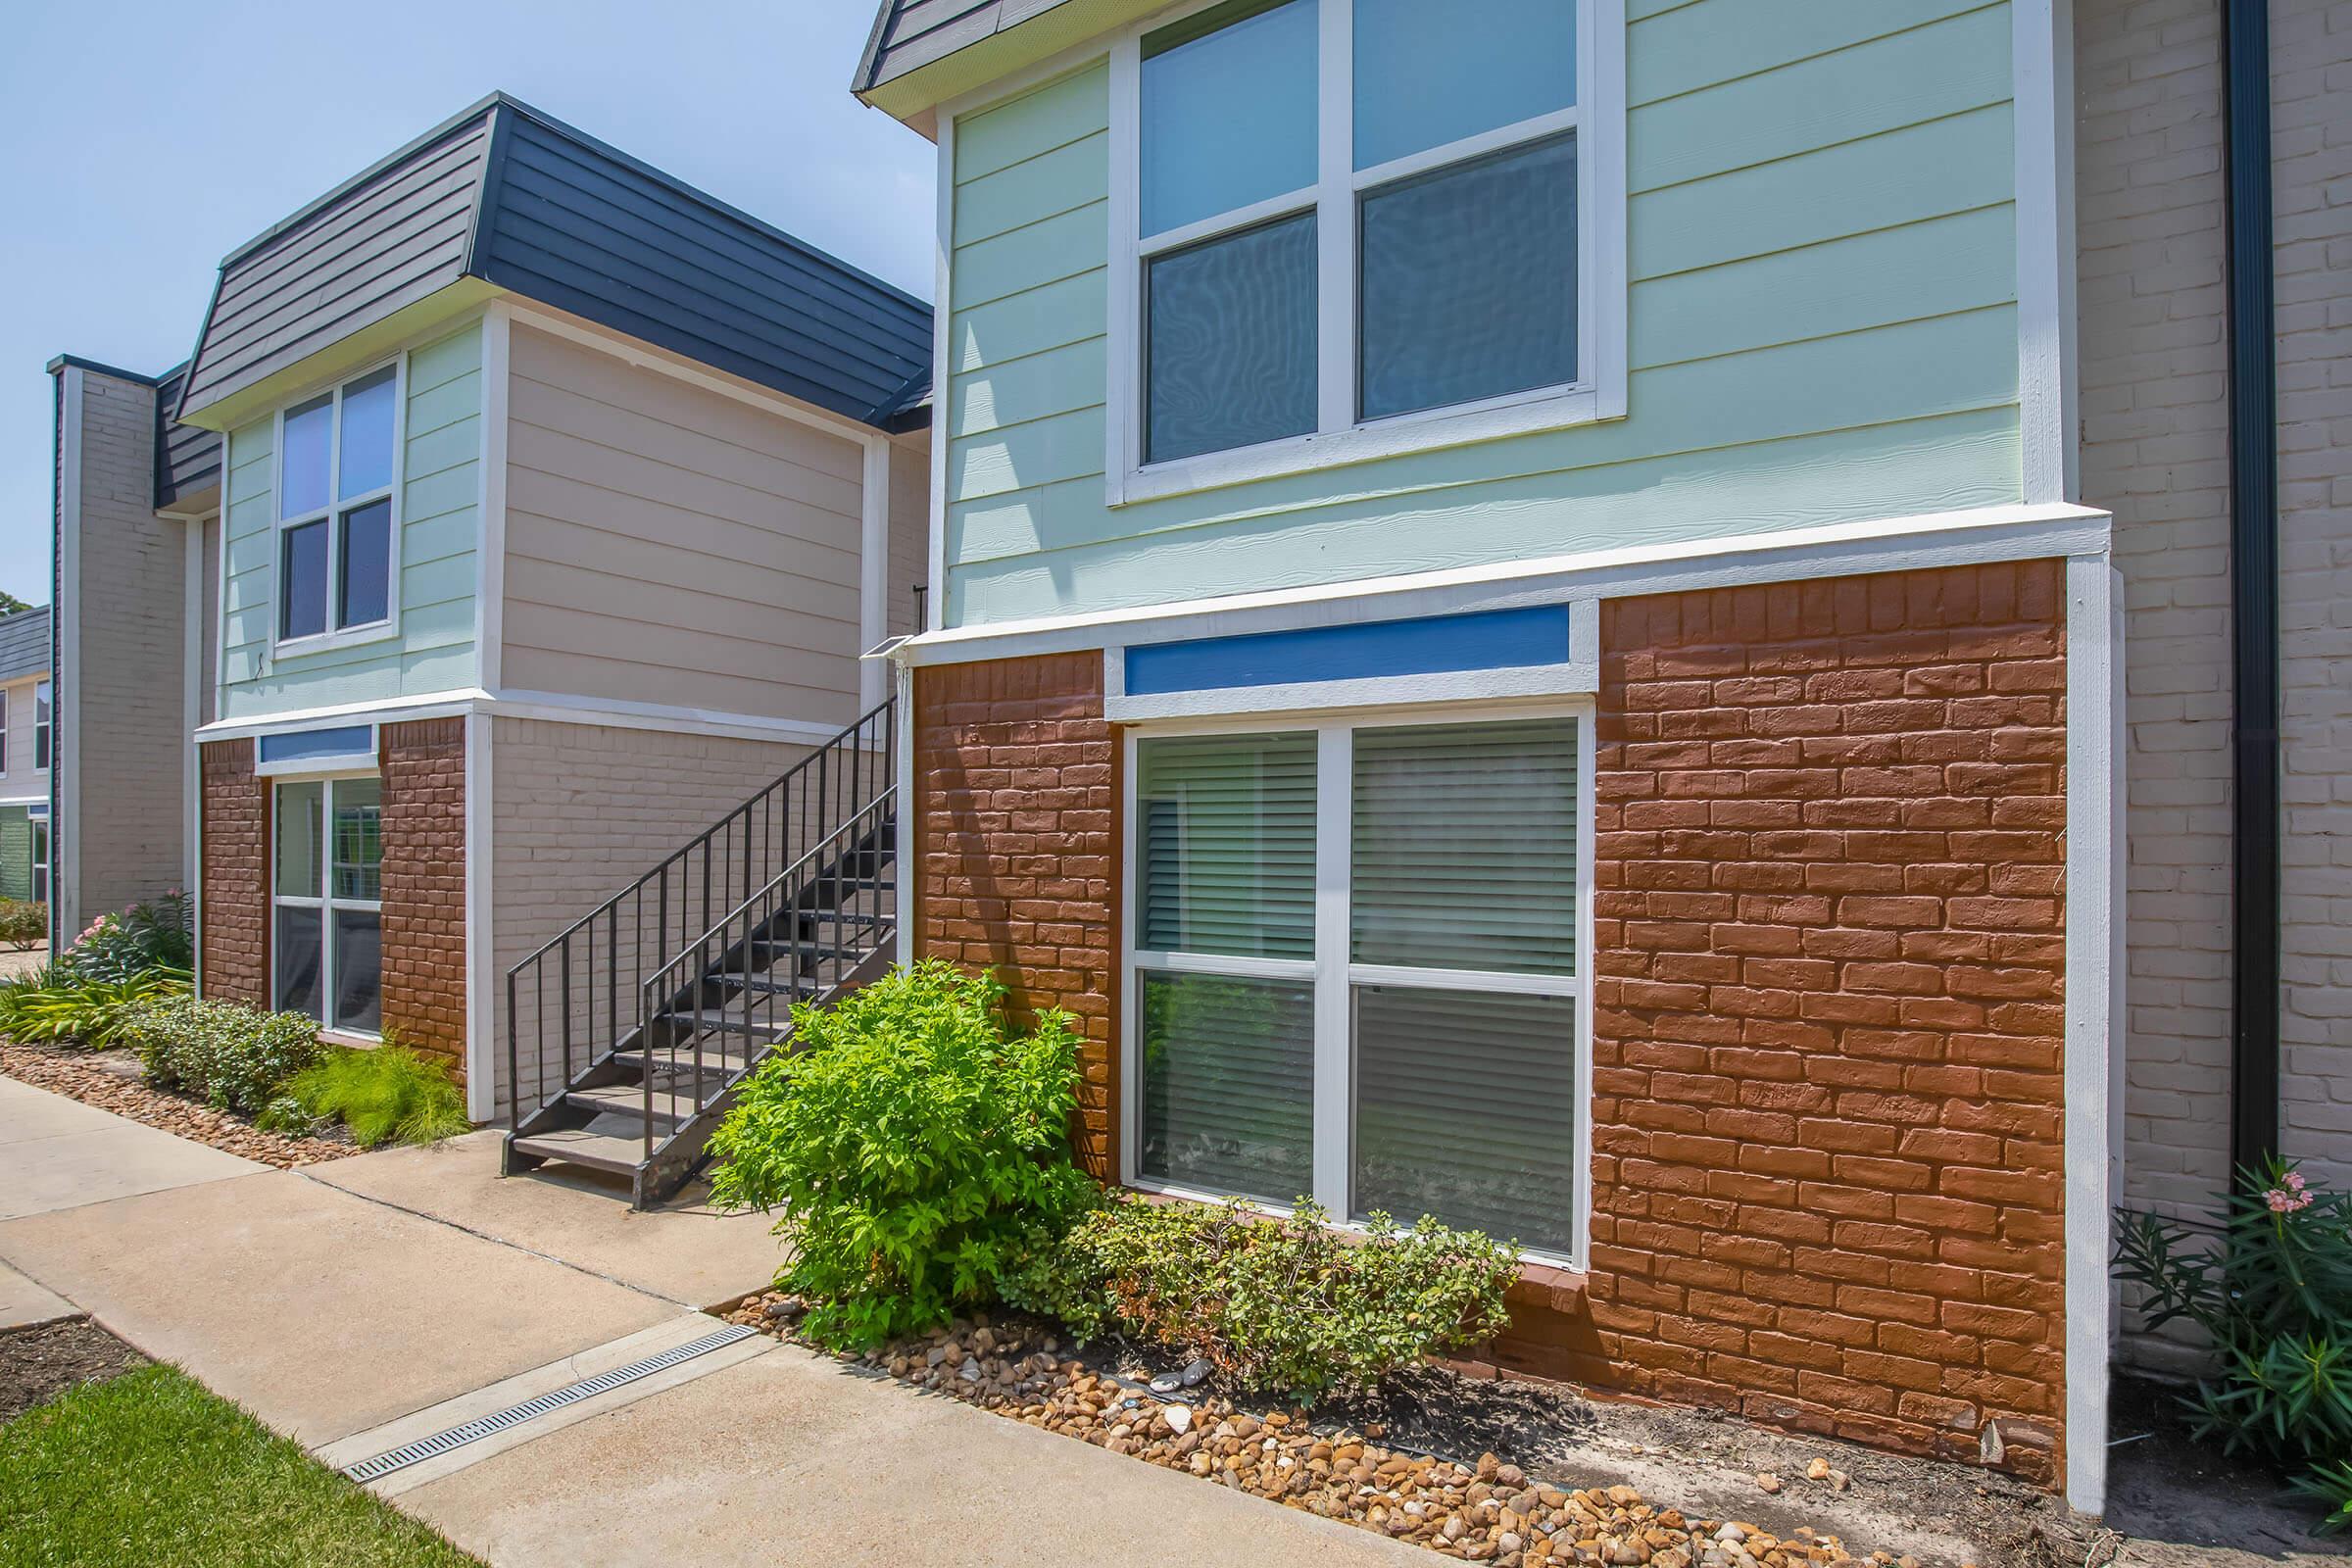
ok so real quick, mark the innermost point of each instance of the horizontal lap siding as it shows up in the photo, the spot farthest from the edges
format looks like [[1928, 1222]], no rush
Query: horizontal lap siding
[[1823, 327], [667, 544], [385, 245], [440, 528]]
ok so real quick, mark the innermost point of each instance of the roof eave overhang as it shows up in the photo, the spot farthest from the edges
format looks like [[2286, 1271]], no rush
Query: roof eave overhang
[[916, 96]]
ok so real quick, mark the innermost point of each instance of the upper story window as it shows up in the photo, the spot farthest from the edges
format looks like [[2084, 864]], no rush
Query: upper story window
[[41, 725], [336, 456], [1353, 227]]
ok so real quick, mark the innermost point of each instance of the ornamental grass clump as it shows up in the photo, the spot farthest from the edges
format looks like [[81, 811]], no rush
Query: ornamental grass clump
[[2270, 1281], [53, 1006], [1292, 1306], [918, 1146], [387, 1094]]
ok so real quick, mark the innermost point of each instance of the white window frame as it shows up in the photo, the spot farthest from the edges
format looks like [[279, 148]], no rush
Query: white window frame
[[324, 901], [44, 732], [7, 701], [41, 827], [367, 631], [1333, 972], [1598, 120]]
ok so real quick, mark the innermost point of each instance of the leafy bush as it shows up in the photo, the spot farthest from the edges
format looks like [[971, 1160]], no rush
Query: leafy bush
[[53, 1005], [145, 937], [389, 1094], [918, 1148], [1291, 1306], [224, 1052], [2271, 1286], [288, 1115], [22, 925]]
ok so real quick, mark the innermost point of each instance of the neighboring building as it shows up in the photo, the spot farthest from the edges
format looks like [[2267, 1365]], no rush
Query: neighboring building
[[27, 731], [560, 501], [1514, 631], [137, 503]]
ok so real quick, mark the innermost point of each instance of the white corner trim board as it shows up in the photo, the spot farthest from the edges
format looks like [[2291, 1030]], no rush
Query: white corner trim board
[[65, 679], [483, 993], [1974, 537], [2094, 978], [2043, 89], [490, 575]]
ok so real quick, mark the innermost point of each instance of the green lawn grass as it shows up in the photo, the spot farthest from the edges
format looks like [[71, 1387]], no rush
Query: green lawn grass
[[149, 1468]]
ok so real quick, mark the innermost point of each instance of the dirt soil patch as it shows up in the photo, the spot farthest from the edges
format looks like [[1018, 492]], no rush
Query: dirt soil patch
[[1612, 1481], [110, 1081], [39, 1363]]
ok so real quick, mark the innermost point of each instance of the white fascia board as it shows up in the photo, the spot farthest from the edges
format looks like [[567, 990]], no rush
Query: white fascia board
[[1974, 537], [556, 707]]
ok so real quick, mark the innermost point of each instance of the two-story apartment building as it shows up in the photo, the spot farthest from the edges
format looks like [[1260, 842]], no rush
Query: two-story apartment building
[[1513, 630], [27, 735], [557, 502]]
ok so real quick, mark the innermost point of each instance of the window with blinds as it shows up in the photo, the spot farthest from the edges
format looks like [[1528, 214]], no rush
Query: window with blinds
[[1441, 1045]]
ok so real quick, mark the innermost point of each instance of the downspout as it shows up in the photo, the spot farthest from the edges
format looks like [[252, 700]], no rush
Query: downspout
[[2254, 586]]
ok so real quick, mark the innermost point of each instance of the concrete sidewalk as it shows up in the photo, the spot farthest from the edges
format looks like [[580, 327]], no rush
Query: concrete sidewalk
[[58, 1154], [379, 1299], [790, 1459]]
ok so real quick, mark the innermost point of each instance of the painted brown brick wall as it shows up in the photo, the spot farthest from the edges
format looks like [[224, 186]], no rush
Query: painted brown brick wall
[[1015, 778], [1827, 1163], [235, 868], [425, 886], [1827, 1171]]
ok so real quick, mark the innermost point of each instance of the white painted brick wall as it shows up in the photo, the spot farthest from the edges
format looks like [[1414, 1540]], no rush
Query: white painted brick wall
[[2155, 430], [2311, 129]]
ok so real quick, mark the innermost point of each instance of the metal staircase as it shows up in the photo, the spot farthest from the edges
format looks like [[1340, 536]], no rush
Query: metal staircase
[[633, 1028]]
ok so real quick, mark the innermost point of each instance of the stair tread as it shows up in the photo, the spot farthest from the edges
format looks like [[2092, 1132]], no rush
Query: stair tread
[[714, 1023], [630, 1100], [580, 1147]]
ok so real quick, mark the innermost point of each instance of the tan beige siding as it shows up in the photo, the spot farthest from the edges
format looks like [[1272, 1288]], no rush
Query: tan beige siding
[[910, 528], [667, 544], [20, 780], [580, 811]]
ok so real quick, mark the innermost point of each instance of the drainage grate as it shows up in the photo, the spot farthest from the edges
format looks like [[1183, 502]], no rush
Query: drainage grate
[[440, 1442]]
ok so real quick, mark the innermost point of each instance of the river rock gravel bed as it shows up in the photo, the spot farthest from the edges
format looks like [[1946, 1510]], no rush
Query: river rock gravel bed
[[110, 1081], [1479, 1509]]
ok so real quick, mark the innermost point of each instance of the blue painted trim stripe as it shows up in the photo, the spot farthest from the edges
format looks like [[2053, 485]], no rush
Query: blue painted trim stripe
[[1490, 639], [308, 745]]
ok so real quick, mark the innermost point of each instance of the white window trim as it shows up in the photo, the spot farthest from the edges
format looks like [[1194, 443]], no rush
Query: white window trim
[[7, 702], [42, 822], [1598, 120], [371, 631], [44, 730], [1333, 972], [359, 763], [324, 901]]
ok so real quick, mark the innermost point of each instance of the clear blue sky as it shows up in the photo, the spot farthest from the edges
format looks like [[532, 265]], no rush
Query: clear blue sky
[[141, 142]]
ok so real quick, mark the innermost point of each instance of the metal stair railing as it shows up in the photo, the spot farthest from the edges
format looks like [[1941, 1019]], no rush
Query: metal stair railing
[[799, 927], [577, 1000]]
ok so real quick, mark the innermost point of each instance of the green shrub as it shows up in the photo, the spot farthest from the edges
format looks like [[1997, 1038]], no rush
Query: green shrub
[[918, 1148], [22, 924], [224, 1052], [2271, 1284], [1289, 1305], [288, 1115], [55, 1006], [386, 1095], [150, 936]]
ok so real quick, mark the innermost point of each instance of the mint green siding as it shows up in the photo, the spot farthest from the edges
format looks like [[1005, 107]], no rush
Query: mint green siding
[[440, 509], [1823, 328]]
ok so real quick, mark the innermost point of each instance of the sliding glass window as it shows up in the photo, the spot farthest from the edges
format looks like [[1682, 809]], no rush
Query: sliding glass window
[[328, 901]]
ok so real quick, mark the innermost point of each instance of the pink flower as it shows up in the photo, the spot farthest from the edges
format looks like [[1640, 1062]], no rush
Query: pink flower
[[2294, 1181], [2279, 1201], [2282, 1201]]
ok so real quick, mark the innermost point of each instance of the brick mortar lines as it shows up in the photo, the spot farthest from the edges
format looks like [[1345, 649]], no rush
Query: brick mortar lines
[[1829, 1020], [424, 765], [235, 867]]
